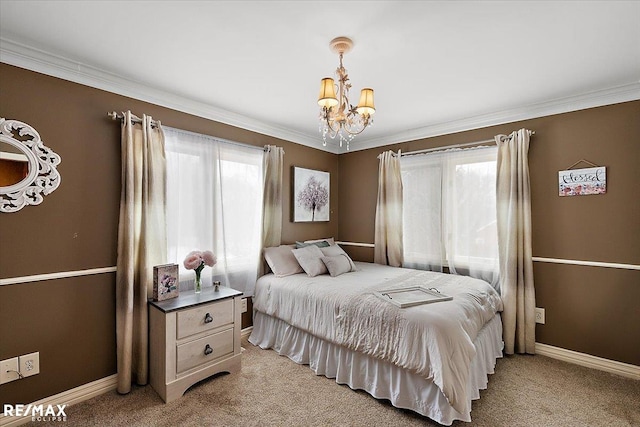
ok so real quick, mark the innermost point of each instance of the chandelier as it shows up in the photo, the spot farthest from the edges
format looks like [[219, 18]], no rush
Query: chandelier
[[338, 118]]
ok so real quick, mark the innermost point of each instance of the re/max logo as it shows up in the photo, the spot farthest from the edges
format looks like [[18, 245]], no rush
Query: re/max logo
[[56, 412]]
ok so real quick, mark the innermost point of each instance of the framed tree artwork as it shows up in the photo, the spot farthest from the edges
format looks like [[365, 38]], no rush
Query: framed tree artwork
[[310, 195]]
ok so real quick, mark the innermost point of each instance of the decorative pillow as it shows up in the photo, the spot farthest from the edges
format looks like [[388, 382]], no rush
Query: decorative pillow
[[337, 265], [309, 258], [319, 243], [329, 240], [281, 260], [336, 250]]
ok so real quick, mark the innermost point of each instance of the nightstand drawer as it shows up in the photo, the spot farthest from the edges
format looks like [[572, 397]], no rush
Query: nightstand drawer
[[203, 318], [203, 350]]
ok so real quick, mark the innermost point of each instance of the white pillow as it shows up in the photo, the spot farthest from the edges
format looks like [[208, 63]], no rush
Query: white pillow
[[309, 258], [336, 250], [281, 260], [337, 265]]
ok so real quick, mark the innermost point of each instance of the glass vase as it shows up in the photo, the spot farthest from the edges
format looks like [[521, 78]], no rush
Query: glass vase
[[197, 286]]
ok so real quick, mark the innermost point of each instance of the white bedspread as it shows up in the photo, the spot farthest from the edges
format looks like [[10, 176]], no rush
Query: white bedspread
[[433, 340]]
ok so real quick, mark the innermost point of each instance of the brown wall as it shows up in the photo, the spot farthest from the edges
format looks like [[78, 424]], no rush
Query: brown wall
[[71, 322], [592, 310]]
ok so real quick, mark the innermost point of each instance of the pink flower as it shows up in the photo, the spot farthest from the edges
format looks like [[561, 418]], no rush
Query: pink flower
[[193, 260], [197, 260], [209, 258]]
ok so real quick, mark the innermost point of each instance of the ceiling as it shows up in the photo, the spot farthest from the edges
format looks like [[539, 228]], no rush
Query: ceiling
[[436, 66]]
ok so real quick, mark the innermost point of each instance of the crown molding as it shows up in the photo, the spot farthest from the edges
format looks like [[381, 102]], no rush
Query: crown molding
[[614, 95], [23, 56]]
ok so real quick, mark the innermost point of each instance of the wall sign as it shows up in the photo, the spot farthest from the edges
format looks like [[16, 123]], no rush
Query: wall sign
[[582, 182]]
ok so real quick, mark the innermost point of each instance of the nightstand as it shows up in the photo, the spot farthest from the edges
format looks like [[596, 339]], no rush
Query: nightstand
[[192, 337]]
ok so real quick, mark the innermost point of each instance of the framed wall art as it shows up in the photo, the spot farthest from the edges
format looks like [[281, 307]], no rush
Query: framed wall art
[[165, 282], [311, 195]]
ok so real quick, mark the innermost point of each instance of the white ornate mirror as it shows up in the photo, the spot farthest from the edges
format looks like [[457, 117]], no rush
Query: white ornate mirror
[[27, 167]]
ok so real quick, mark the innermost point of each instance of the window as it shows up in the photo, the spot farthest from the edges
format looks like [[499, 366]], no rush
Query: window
[[449, 212], [214, 202]]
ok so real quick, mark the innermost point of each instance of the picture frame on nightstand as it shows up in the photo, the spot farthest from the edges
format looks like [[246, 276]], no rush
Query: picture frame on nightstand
[[165, 282]]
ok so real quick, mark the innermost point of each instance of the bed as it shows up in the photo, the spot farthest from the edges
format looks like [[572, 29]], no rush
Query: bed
[[430, 358]]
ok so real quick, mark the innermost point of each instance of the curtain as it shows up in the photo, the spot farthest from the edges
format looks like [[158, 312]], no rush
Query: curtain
[[449, 212], [513, 201], [422, 212], [214, 188], [141, 243], [272, 203], [272, 198], [469, 213], [388, 221]]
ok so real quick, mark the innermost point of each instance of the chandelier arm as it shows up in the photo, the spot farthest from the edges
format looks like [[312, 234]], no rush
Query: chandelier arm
[[356, 123], [353, 124], [349, 129], [332, 124]]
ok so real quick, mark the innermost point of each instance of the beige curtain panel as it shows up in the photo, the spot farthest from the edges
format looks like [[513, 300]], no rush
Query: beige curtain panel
[[388, 222], [272, 199], [141, 243], [513, 202]]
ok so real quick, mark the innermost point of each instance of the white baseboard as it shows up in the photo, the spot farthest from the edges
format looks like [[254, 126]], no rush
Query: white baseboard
[[69, 397], [246, 332], [582, 359]]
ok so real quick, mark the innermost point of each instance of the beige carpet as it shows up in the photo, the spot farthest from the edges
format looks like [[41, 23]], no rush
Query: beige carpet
[[272, 390]]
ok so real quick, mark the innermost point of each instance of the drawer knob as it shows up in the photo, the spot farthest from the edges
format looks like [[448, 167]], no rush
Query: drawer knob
[[208, 318], [208, 350]]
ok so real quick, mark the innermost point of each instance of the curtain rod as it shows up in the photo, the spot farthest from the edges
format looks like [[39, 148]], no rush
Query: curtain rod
[[134, 118], [225, 141], [447, 147]]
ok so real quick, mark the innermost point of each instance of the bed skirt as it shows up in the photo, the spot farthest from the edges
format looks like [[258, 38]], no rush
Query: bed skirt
[[377, 377]]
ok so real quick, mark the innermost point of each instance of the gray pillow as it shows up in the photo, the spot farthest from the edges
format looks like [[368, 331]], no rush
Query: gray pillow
[[309, 259], [336, 250], [329, 240], [337, 265], [319, 243], [281, 260]]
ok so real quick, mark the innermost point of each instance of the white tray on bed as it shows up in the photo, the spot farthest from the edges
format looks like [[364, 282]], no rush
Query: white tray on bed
[[415, 295]]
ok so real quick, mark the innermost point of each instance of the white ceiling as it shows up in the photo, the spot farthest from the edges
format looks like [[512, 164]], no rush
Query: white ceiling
[[436, 66]]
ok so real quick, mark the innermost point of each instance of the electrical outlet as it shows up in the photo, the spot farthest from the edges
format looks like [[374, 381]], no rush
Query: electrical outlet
[[540, 315], [243, 305], [29, 364], [9, 370]]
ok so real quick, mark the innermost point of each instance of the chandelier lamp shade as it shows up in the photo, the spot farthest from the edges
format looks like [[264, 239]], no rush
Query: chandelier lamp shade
[[338, 118]]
